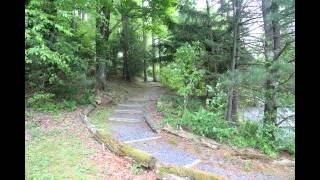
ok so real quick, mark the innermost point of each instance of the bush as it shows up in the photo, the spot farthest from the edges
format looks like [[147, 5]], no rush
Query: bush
[[48, 102], [184, 75], [38, 99], [205, 121]]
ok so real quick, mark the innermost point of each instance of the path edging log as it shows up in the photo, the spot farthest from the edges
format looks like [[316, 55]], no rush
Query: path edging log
[[150, 122], [198, 139], [162, 171], [142, 157], [116, 147]]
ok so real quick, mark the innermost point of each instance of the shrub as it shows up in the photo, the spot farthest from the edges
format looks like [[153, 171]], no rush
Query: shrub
[[184, 75]]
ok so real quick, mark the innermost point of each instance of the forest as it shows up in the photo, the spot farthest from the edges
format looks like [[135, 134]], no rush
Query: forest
[[228, 66]]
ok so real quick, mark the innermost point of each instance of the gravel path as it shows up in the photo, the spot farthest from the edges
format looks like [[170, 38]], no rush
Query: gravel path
[[128, 125]]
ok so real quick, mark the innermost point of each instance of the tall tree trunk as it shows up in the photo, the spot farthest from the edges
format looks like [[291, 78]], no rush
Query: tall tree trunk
[[154, 75], [101, 46], [209, 26], [159, 49], [52, 10], [231, 115], [271, 47], [125, 48], [144, 48]]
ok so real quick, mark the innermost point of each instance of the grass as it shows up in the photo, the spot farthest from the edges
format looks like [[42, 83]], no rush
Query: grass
[[137, 168], [173, 141], [51, 155], [247, 165], [59, 153], [99, 117]]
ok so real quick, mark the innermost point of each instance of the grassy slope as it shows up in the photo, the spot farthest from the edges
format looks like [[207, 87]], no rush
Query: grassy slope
[[60, 149], [57, 154]]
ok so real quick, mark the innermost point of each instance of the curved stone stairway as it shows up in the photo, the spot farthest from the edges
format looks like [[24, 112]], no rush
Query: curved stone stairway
[[127, 124]]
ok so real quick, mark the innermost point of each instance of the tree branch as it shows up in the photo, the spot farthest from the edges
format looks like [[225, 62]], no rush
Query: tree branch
[[283, 49], [285, 119], [282, 83]]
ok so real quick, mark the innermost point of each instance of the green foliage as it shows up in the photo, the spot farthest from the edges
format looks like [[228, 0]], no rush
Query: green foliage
[[48, 103], [184, 74], [58, 53], [209, 121], [137, 168]]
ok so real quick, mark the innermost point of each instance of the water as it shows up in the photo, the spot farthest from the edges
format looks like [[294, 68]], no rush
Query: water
[[256, 114]]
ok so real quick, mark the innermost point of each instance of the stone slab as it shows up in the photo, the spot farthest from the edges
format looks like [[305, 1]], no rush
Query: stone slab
[[130, 131]]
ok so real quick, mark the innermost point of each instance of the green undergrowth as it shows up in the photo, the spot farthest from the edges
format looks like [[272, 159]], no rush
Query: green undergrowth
[[60, 100], [137, 168], [69, 98], [209, 121], [57, 154]]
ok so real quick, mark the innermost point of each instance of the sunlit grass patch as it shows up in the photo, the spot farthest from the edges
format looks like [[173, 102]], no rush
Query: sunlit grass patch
[[56, 154], [100, 116]]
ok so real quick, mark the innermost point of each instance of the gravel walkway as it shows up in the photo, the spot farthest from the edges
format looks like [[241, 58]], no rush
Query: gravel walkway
[[128, 125]]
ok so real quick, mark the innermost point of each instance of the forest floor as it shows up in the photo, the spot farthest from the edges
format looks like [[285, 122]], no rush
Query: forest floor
[[58, 146]]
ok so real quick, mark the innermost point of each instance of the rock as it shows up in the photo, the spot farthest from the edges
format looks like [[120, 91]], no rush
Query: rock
[[284, 162]]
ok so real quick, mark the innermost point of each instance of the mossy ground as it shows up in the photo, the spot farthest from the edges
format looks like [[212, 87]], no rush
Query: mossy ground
[[189, 172]]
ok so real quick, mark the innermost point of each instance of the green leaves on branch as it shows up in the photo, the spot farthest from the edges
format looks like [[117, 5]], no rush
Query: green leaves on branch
[[184, 74]]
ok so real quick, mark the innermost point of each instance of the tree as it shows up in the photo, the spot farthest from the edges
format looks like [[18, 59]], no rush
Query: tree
[[154, 75], [232, 94], [144, 47], [102, 37]]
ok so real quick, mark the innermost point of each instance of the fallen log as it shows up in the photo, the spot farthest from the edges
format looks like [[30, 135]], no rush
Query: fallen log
[[163, 171], [198, 139], [116, 147], [145, 159], [154, 127], [284, 162], [249, 155]]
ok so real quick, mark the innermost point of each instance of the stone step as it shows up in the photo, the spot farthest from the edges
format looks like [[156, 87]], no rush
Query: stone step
[[166, 153], [141, 108], [126, 132], [142, 140], [127, 115], [128, 120], [129, 104], [193, 164], [137, 99], [128, 111], [133, 102]]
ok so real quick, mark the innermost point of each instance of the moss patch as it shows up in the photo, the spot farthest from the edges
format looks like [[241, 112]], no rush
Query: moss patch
[[188, 172]]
